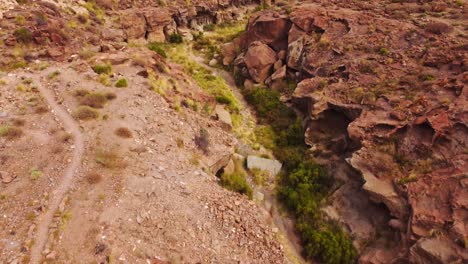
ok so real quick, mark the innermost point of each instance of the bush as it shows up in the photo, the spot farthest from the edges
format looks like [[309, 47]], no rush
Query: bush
[[109, 159], [93, 177], [237, 183], [10, 132], [102, 69], [176, 38], [94, 100], [85, 113], [209, 27], [123, 132], [158, 48], [23, 35], [121, 83], [202, 140]]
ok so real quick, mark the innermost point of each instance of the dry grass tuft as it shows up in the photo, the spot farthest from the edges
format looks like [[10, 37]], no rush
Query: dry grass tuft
[[123, 132], [10, 132], [94, 100], [85, 113], [109, 159], [93, 177]]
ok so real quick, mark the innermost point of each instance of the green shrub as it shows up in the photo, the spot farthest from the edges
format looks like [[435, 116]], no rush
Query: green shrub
[[102, 69], [236, 183], [158, 48], [121, 83], [303, 185], [36, 174], [209, 27], [23, 35], [175, 38]]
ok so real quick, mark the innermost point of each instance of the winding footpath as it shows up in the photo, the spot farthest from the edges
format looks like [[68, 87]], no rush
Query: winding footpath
[[72, 127]]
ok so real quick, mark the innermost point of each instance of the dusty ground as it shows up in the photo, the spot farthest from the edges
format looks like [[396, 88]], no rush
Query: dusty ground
[[154, 198]]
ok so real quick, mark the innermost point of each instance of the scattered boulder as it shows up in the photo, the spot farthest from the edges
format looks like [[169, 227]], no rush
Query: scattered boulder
[[259, 60], [280, 74], [269, 165], [5, 177], [435, 250], [223, 115], [270, 27]]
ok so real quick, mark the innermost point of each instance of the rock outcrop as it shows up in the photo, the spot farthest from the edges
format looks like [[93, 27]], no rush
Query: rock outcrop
[[387, 95]]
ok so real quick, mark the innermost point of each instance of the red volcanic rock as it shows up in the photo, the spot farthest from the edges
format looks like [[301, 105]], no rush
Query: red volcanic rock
[[259, 59], [269, 27], [395, 94]]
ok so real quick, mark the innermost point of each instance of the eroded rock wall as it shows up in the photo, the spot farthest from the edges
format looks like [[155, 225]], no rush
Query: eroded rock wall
[[400, 89]]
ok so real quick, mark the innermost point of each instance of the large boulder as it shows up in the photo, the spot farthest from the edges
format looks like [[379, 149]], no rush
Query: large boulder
[[271, 166], [269, 27], [157, 19], [259, 60], [133, 24], [223, 116]]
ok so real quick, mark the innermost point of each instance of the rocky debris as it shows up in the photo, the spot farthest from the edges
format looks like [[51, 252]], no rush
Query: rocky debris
[[271, 166], [223, 116], [259, 59], [6, 177], [438, 251]]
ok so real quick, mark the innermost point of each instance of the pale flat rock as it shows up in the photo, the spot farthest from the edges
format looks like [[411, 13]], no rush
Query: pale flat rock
[[272, 166]]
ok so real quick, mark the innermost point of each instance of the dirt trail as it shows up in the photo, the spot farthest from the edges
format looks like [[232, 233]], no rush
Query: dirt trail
[[289, 238], [72, 127]]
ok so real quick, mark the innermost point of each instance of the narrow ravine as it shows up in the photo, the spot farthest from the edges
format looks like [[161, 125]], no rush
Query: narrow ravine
[[287, 234], [71, 126]]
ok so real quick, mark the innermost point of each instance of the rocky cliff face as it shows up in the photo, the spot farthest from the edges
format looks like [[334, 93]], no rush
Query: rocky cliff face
[[385, 90], [57, 29]]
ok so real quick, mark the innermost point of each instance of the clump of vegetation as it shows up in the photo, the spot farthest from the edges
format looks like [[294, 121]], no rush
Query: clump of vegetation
[[209, 27], [426, 77], [214, 85], [93, 177], [81, 92], [110, 96], [53, 75], [23, 35], [180, 143], [36, 174], [123, 132], [202, 140], [236, 181], [10, 132], [109, 159], [85, 113], [384, 51], [102, 69], [259, 176], [121, 83], [94, 100], [158, 48], [176, 38]]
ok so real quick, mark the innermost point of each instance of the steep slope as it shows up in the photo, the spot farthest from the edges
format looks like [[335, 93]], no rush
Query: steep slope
[[386, 95]]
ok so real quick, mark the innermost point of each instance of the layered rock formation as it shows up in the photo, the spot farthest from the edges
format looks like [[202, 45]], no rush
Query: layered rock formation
[[389, 97]]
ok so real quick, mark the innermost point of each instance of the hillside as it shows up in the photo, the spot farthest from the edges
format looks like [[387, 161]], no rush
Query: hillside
[[233, 131]]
